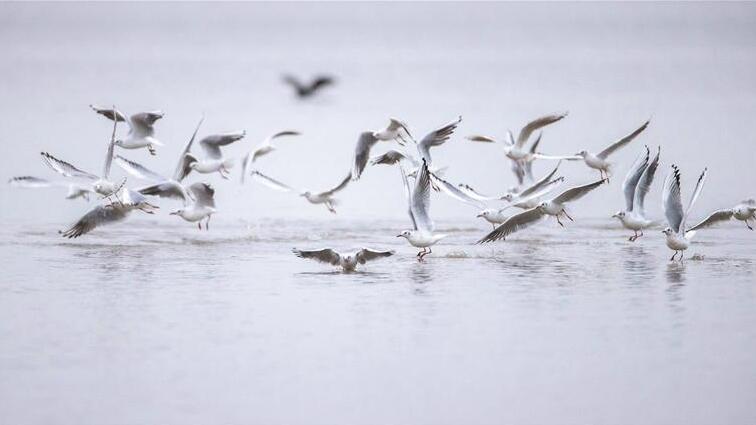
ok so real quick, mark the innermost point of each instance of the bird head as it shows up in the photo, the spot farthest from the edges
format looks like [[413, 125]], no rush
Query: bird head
[[508, 197], [485, 213], [620, 215], [177, 212], [582, 153], [404, 234], [542, 206], [667, 231]]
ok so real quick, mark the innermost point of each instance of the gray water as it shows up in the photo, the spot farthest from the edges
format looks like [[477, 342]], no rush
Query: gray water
[[153, 321]]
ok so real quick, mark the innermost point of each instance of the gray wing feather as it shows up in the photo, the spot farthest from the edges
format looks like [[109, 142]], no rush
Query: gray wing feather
[[714, 218], [182, 169], [167, 189], [212, 144], [338, 187], [632, 178], [408, 193], [541, 183], [575, 193], [66, 169], [456, 193], [270, 182], [513, 224], [366, 254], [421, 199], [390, 158], [361, 153], [142, 122], [99, 216], [694, 197], [644, 184], [436, 138], [622, 142], [138, 170], [32, 182], [204, 194], [323, 255], [108, 113], [671, 202], [534, 125]]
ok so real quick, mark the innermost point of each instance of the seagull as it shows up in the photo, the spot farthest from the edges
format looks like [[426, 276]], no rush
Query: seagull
[[202, 208], [141, 128], [422, 235], [304, 90], [678, 239], [599, 161], [100, 184], [347, 262], [521, 199], [264, 148], [394, 131], [214, 161], [636, 185], [554, 207], [392, 157], [436, 138], [325, 198], [108, 213], [744, 211], [515, 149], [31, 182], [529, 200], [164, 187]]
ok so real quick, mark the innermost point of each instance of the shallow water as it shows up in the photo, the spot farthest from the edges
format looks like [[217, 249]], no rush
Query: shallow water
[[157, 322]]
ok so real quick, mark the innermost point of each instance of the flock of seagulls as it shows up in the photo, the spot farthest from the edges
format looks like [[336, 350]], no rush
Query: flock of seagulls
[[536, 199]]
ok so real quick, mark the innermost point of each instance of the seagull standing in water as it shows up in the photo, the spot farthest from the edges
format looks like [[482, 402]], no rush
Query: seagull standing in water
[[347, 262], [744, 211], [326, 198], [202, 208], [422, 234], [677, 238], [635, 187], [109, 213], [600, 161], [263, 149], [554, 207], [141, 128]]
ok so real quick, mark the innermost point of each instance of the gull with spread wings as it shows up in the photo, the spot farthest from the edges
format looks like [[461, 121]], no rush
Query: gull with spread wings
[[326, 198], [264, 148], [348, 262], [635, 187], [305, 90], [677, 237], [109, 213], [744, 211], [141, 128], [422, 234], [203, 206]]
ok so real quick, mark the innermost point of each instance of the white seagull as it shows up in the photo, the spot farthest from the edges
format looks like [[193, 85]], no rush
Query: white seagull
[[635, 187], [527, 199], [164, 187], [395, 131], [348, 262], [108, 213], [677, 238], [264, 148], [600, 161], [141, 128], [422, 235], [744, 211], [31, 182], [326, 198], [202, 208], [554, 207], [214, 161]]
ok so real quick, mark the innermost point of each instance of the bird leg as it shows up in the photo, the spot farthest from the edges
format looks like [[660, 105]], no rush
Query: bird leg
[[330, 207], [199, 225], [560, 223], [207, 223], [634, 237], [748, 225], [400, 137], [568, 216], [418, 254], [152, 150], [673, 256]]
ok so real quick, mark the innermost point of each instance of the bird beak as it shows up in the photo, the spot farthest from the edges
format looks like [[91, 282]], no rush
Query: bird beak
[[173, 213], [398, 236], [615, 216], [479, 215]]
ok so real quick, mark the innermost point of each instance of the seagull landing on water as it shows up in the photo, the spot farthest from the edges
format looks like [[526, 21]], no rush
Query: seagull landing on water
[[264, 148], [141, 128], [31, 182], [348, 262], [554, 207], [214, 162], [326, 198], [422, 235], [678, 239], [109, 213], [202, 208], [305, 90], [635, 187], [744, 211]]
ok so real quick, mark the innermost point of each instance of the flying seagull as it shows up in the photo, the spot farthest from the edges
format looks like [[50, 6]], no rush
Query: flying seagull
[[305, 90], [326, 198], [600, 161], [635, 187], [677, 238], [141, 128], [395, 131], [214, 162], [264, 148], [347, 262], [109, 213], [744, 211], [202, 208]]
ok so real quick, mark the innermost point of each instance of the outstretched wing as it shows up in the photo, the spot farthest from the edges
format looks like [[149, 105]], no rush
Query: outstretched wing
[[472, 193], [323, 255], [513, 224], [212, 144], [436, 138], [98, 216], [391, 157], [537, 186], [109, 113], [365, 254], [142, 122], [632, 178], [479, 138], [644, 184], [182, 168], [32, 182], [408, 193], [166, 189], [622, 142], [534, 125], [204, 194], [575, 193], [361, 153], [138, 170], [455, 192], [270, 182], [671, 201], [420, 203], [66, 169], [338, 187], [694, 197], [714, 218]]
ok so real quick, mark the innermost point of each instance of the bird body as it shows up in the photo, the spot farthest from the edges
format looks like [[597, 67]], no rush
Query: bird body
[[202, 208]]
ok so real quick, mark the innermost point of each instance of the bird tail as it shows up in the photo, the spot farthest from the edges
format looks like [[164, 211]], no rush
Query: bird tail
[[690, 234]]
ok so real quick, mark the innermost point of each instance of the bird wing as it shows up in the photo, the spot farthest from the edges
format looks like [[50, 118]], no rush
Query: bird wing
[[534, 146], [408, 193], [110, 114], [270, 182], [632, 178], [543, 190], [540, 183], [622, 142], [456, 193], [66, 169], [109, 153], [513, 224], [33, 182], [694, 197], [472, 193], [361, 153], [671, 202], [366, 254], [338, 187], [714, 218], [142, 122], [182, 168], [165, 189], [577, 192], [391, 157], [436, 138], [138, 170], [479, 138], [420, 204], [204, 194], [323, 255], [321, 81], [98, 216], [212, 144], [644, 184], [534, 125]]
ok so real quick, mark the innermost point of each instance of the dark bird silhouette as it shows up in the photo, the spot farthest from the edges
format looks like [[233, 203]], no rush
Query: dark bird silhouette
[[307, 90]]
